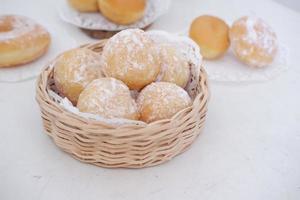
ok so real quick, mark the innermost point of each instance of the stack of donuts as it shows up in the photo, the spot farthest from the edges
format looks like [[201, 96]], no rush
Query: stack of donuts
[[136, 77], [118, 11]]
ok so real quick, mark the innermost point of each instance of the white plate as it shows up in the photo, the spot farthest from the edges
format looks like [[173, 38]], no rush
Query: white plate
[[230, 69], [95, 21]]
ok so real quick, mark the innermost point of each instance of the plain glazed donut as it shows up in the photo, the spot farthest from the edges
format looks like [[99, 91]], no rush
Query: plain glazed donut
[[84, 5], [21, 40], [122, 11]]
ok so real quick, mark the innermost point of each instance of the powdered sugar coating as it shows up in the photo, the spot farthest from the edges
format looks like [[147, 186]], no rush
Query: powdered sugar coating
[[74, 70], [174, 67], [253, 41], [161, 100], [14, 26], [131, 56], [67, 105], [108, 97], [188, 49]]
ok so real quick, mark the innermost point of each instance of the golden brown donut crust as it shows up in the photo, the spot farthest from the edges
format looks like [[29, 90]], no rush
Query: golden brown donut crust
[[211, 34], [21, 40], [84, 5], [122, 11]]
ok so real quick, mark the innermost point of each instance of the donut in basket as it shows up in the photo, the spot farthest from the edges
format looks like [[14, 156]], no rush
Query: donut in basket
[[135, 100]]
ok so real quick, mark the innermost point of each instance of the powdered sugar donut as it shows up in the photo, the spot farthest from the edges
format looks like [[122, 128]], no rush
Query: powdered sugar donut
[[21, 40], [74, 70], [132, 57], [109, 98], [253, 41], [174, 67], [161, 100], [189, 52]]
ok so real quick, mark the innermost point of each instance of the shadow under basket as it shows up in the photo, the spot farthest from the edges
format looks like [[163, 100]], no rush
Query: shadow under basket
[[120, 146]]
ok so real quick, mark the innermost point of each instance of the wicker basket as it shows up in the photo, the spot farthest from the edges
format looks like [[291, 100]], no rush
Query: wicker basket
[[128, 146]]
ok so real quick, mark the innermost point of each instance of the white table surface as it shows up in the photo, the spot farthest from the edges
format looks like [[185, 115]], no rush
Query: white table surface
[[249, 148]]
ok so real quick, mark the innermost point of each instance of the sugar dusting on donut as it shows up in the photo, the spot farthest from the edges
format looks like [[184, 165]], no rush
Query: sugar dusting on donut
[[109, 97], [264, 38], [16, 26], [86, 61], [188, 48], [66, 104], [133, 41], [183, 44], [131, 56], [81, 63], [74, 70], [165, 100], [258, 34], [22, 40]]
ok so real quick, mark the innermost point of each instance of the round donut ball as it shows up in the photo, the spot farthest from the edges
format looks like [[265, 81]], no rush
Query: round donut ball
[[174, 66], [74, 70], [132, 57], [253, 41], [109, 98], [211, 34], [161, 100], [122, 11], [84, 5]]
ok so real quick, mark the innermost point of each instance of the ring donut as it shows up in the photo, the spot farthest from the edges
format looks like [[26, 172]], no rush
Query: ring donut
[[21, 40]]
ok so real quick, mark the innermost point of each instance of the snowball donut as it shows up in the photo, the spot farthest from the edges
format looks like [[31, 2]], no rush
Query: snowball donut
[[253, 41], [174, 67], [211, 34], [189, 51], [122, 11], [84, 5], [21, 40], [108, 97], [132, 57], [74, 70], [161, 100]]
